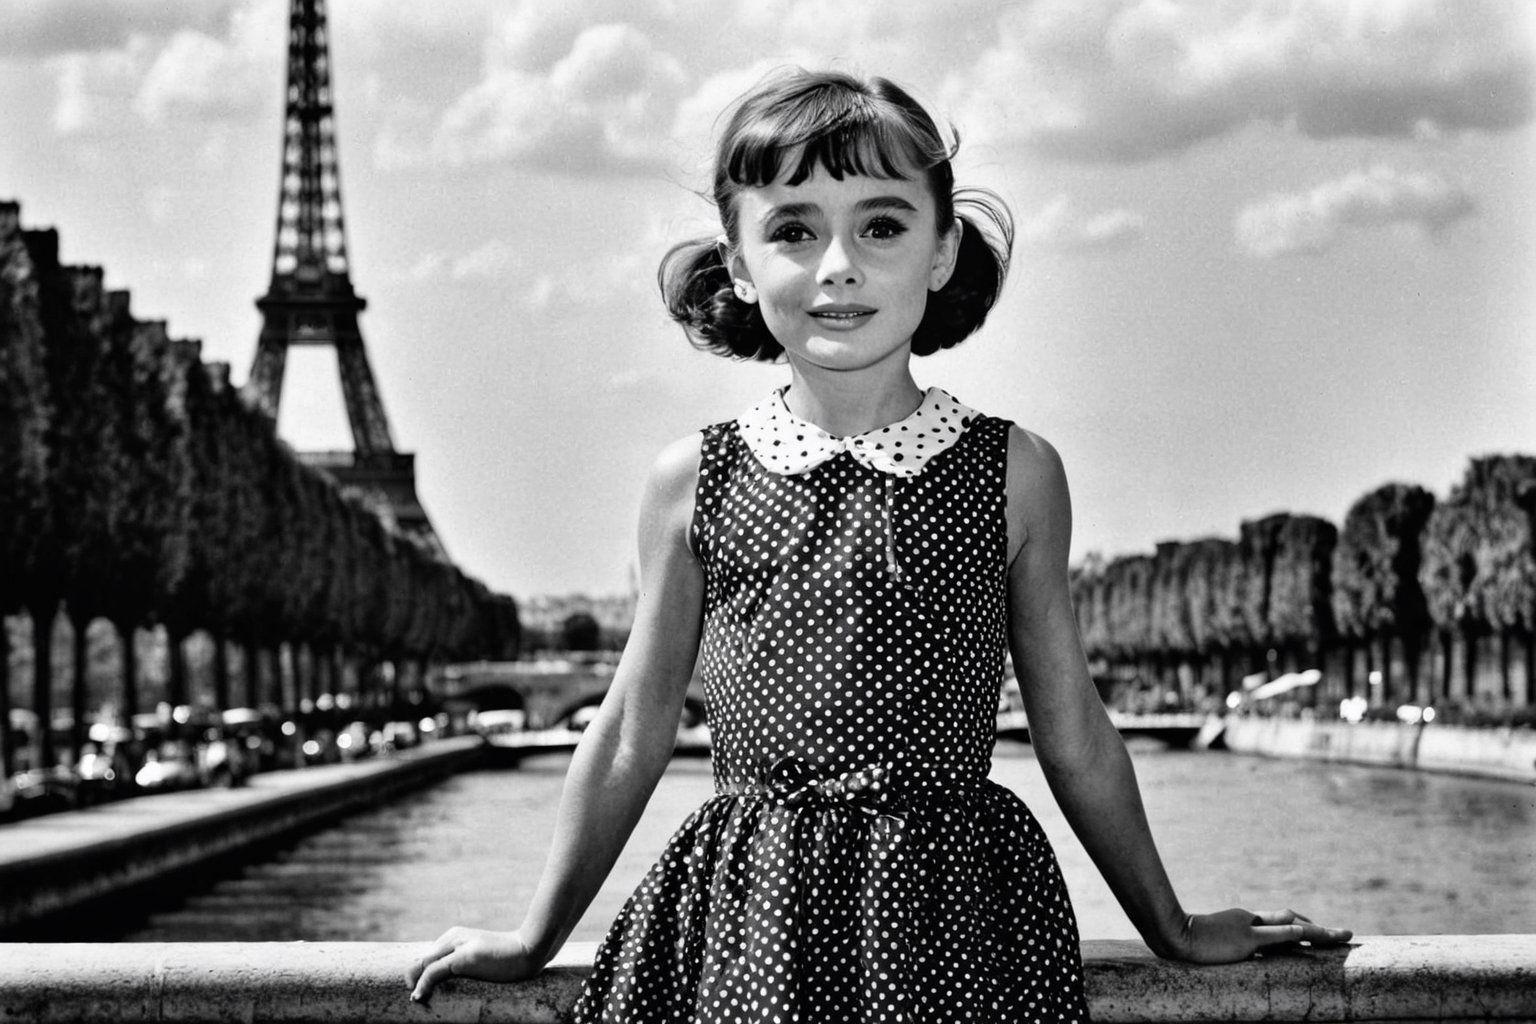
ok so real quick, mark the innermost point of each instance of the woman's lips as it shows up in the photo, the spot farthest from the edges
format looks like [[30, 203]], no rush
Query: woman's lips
[[843, 315]]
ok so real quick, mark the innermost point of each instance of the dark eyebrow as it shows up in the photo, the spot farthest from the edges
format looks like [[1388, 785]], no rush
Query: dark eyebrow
[[795, 210], [887, 203], [791, 210]]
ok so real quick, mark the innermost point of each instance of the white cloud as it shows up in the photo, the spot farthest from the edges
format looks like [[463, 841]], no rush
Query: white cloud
[[490, 260], [199, 77], [73, 108], [44, 28], [619, 277], [92, 86], [1057, 226], [1313, 221], [535, 34], [607, 103], [135, 65], [428, 266], [543, 290], [1133, 79], [602, 86], [612, 86]]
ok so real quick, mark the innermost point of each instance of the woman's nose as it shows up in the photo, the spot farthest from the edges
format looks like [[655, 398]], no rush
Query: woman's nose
[[839, 265]]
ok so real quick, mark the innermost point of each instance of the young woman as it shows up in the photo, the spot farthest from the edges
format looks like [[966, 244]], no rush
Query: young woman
[[849, 561]]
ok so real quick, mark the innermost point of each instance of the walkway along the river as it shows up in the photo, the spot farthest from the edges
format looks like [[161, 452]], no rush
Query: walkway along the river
[[59, 862]]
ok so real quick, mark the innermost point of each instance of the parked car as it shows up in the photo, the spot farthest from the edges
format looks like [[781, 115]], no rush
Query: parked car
[[354, 741], [187, 747], [498, 724], [45, 790], [36, 789], [257, 738], [321, 748], [221, 760], [168, 766], [399, 735], [105, 769]]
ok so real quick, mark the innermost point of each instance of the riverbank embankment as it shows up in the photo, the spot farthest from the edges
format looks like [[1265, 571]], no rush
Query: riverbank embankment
[[1482, 752], [58, 862]]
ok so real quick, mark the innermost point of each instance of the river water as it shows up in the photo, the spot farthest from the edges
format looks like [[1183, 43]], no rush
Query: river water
[[1377, 850]]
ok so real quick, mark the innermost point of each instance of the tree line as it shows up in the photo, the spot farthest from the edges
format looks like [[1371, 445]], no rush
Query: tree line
[[139, 487], [1411, 600]]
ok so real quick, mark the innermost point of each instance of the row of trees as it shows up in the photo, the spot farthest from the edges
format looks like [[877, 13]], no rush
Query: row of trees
[[137, 486], [1410, 587]]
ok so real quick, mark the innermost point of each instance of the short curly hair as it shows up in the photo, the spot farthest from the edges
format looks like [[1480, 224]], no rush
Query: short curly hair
[[844, 125]]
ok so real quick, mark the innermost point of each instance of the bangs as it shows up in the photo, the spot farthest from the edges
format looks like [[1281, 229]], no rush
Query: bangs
[[840, 131]]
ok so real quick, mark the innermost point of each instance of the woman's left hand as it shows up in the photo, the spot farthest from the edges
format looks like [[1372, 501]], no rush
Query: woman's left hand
[[1237, 934]]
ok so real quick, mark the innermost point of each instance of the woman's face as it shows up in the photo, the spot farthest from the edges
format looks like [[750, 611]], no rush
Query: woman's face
[[841, 269]]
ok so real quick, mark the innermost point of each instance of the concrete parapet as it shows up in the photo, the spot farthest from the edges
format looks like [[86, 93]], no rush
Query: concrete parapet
[[1376, 978], [1383, 979]]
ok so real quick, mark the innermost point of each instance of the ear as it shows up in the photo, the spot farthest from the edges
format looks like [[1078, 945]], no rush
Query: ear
[[944, 259], [741, 278]]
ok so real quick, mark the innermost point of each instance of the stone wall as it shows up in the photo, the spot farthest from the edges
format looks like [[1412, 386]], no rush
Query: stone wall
[[1485, 752], [1385, 978]]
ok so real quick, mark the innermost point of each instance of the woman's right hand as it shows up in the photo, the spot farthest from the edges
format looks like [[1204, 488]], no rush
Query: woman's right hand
[[472, 953]]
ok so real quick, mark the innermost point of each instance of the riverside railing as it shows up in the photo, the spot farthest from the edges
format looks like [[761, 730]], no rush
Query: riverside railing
[[1375, 978]]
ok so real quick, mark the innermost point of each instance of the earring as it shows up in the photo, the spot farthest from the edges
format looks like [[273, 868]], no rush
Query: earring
[[745, 292]]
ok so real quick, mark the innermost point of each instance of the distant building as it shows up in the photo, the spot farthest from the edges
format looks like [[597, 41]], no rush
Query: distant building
[[543, 615]]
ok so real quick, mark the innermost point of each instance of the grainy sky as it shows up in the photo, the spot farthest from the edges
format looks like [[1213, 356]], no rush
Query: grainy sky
[[1271, 255]]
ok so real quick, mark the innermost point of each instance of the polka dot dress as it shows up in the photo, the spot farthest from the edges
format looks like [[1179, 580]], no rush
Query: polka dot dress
[[856, 865]]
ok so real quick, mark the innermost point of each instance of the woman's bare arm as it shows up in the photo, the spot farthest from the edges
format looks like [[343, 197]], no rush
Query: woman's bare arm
[[622, 753], [1084, 758]]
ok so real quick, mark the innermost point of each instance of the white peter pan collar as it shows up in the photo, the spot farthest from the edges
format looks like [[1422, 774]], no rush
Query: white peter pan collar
[[788, 445]]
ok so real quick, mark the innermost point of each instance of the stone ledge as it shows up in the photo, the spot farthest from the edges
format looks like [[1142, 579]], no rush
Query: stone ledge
[[1376, 978]]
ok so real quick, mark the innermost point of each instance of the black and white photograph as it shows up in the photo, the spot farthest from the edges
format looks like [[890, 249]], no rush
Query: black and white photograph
[[925, 512]]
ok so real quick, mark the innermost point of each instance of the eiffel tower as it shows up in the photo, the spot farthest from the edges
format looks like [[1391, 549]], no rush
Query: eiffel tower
[[311, 301]]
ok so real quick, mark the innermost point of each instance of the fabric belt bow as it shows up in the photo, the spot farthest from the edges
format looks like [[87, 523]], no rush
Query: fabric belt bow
[[790, 782], [885, 899]]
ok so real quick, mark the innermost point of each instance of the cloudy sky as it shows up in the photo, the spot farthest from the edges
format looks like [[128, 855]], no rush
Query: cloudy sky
[[1271, 254]]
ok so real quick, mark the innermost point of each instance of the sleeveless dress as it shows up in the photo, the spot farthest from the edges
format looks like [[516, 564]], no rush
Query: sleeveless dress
[[856, 865]]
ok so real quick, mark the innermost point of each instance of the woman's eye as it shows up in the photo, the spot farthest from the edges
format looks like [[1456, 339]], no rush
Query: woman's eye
[[790, 233], [885, 227]]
